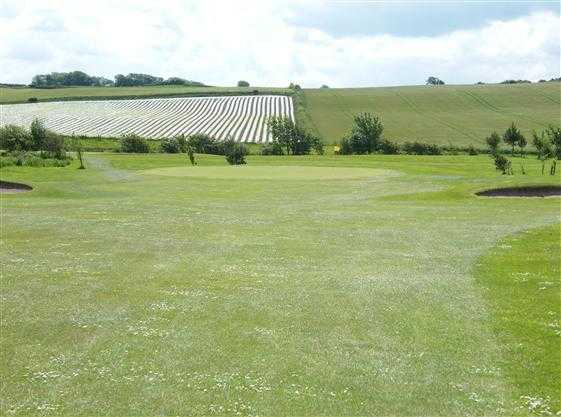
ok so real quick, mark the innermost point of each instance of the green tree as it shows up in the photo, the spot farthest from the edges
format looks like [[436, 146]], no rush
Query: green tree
[[242, 83], [366, 132], [77, 144], [293, 138], [493, 141], [503, 164], [191, 155], [54, 145], [522, 142], [434, 81], [513, 136], [132, 143], [543, 147], [554, 135], [235, 152], [38, 134]]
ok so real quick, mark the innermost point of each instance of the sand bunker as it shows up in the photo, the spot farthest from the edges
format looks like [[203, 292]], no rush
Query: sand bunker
[[7, 187], [528, 191]]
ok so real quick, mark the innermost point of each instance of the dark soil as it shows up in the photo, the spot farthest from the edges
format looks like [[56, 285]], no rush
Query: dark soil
[[13, 187], [536, 191]]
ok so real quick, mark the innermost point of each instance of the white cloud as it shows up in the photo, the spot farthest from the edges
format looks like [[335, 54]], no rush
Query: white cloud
[[220, 42]]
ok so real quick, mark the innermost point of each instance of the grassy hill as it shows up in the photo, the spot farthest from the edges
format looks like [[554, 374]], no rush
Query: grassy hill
[[21, 95], [447, 115]]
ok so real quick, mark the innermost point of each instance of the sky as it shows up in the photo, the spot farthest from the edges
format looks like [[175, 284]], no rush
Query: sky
[[273, 43]]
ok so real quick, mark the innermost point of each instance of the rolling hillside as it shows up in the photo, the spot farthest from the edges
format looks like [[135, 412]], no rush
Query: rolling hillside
[[447, 115]]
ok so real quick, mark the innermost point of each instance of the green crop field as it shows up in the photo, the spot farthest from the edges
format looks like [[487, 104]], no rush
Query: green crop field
[[293, 286], [446, 115], [21, 95]]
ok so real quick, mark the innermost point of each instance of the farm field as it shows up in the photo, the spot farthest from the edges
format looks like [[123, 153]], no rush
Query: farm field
[[310, 286], [242, 118], [451, 115], [21, 95]]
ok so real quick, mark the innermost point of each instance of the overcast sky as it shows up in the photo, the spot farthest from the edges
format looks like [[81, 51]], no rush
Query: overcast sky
[[339, 43]]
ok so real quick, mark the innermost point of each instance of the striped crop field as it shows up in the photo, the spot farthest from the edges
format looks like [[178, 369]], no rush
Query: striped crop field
[[242, 118]]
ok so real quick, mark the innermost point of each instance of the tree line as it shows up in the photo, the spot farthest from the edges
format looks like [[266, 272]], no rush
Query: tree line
[[547, 143], [80, 78]]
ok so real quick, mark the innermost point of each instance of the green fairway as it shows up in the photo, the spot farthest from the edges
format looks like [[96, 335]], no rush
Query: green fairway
[[21, 95], [521, 278], [270, 172], [446, 115], [293, 286]]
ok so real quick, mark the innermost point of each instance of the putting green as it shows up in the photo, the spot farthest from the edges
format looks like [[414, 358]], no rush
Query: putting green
[[271, 172]]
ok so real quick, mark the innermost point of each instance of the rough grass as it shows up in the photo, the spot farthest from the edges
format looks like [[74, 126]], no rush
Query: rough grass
[[447, 115], [132, 294], [520, 278]]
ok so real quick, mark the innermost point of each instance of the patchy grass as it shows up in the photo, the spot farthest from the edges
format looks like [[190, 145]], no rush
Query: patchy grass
[[520, 278], [133, 294]]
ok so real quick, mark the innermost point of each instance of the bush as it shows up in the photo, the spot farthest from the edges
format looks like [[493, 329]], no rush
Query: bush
[[170, 145], [53, 145], [273, 148], [132, 143], [388, 147], [419, 148], [365, 136], [471, 150], [38, 134], [31, 159], [235, 152], [503, 164], [202, 143], [345, 147], [15, 138], [32, 100], [182, 142], [243, 84], [292, 138]]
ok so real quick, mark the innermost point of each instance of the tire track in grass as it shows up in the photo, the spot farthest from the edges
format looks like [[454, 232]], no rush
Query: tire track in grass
[[449, 125], [483, 102]]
